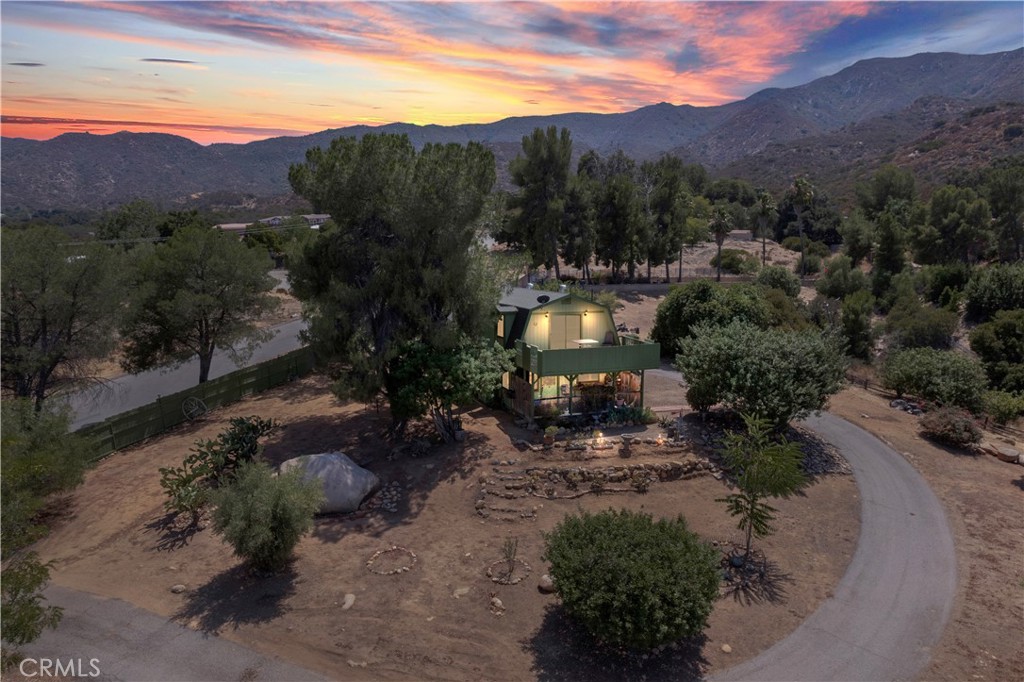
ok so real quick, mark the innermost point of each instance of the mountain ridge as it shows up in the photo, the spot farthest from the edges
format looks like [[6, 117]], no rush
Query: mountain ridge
[[76, 170]]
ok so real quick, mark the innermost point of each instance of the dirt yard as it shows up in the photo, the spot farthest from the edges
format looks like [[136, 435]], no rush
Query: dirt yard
[[334, 613]]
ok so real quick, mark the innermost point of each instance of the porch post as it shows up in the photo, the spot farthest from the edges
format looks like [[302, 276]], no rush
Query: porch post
[[642, 388]]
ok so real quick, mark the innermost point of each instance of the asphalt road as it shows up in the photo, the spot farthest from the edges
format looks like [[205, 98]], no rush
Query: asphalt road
[[893, 603], [129, 643], [131, 391]]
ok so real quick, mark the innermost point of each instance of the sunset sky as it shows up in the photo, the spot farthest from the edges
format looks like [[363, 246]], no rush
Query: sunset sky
[[239, 71]]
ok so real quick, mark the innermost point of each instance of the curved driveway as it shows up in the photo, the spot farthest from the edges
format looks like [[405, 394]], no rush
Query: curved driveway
[[891, 606]]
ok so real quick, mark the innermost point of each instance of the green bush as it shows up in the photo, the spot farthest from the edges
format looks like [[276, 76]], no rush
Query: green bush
[[951, 427], [920, 326], [40, 458], [263, 516], [934, 281], [21, 607], [811, 248], [785, 312], [840, 279], [705, 302], [1003, 407], [769, 374], [997, 287], [944, 377], [808, 264], [778, 277], [1000, 346], [630, 580], [736, 262], [856, 324]]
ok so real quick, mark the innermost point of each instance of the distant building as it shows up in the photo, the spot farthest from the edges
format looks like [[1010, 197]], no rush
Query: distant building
[[316, 219], [236, 228]]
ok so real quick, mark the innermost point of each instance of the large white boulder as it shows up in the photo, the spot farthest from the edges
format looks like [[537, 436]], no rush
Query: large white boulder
[[346, 484]]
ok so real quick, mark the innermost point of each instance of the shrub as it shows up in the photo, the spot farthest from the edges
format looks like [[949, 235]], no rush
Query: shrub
[[856, 324], [263, 516], [943, 377], [1000, 345], [808, 264], [920, 326], [778, 277], [811, 248], [934, 280], [1003, 407], [21, 608], [736, 261], [841, 279], [630, 580], [950, 426], [784, 312], [997, 287], [40, 458], [705, 302], [769, 374]]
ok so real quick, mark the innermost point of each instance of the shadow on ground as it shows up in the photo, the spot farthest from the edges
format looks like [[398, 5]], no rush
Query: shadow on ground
[[237, 597], [172, 532], [563, 650]]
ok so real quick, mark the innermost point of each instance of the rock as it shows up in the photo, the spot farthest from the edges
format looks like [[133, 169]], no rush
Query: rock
[[1007, 454], [350, 599], [546, 584], [345, 483], [178, 589], [726, 648], [460, 592], [497, 604]]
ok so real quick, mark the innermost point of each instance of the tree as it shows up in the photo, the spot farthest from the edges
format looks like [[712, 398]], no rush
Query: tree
[[765, 210], [910, 324], [137, 220], [959, 227], [200, 291], [704, 302], [579, 230], [435, 381], [60, 304], [856, 324], [695, 231], [858, 237], [263, 516], [1004, 189], [999, 344], [542, 175], [769, 374], [944, 377], [994, 288], [890, 252], [763, 467], [889, 182], [40, 458], [630, 580], [720, 226], [669, 202], [403, 263], [621, 225], [22, 608], [803, 196]]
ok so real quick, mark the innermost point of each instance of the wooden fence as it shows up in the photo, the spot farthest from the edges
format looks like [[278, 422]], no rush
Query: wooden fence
[[167, 411]]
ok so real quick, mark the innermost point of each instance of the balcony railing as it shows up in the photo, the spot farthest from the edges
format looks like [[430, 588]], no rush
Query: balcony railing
[[633, 355]]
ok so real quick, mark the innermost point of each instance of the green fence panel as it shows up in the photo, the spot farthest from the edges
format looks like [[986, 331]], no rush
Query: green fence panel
[[166, 412]]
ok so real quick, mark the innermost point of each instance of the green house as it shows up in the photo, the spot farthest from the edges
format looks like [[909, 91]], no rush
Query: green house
[[569, 357]]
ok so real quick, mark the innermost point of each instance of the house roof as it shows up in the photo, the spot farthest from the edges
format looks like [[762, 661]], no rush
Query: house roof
[[528, 299]]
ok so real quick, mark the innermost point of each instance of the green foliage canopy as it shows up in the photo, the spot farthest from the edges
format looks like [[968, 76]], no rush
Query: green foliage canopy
[[943, 377], [769, 374], [703, 301], [999, 344], [630, 580]]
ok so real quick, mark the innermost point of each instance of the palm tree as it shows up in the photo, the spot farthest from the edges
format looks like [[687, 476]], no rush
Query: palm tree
[[803, 197], [720, 226], [764, 209]]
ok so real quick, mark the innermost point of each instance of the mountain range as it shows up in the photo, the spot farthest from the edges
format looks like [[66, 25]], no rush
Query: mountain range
[[837, 128]]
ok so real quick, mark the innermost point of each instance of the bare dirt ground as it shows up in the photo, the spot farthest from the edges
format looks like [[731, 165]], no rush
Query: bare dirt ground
[[984, 498], [435, 621]]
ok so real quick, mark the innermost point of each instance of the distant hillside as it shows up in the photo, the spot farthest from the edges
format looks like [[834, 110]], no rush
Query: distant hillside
[[852, 118]]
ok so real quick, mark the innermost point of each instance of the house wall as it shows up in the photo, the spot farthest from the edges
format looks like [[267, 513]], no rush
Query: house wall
[[595, 324]]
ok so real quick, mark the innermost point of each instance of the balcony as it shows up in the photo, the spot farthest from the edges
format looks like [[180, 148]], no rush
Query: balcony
[[633, 355]]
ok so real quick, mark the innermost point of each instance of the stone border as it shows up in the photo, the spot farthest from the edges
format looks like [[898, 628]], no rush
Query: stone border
[[394, 548], [499, 577]]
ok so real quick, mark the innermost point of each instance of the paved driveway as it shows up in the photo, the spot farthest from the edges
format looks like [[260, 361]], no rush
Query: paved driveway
[[893, 603]]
